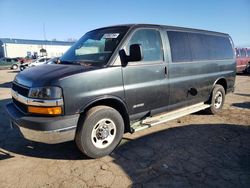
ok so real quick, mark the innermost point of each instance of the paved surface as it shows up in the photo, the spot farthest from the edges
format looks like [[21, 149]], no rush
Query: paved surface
[[194, 151]]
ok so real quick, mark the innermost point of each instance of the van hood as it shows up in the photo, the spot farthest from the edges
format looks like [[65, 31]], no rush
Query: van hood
[[46, 75]]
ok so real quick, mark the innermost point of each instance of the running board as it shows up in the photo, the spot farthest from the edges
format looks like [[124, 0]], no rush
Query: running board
[[162, 118]]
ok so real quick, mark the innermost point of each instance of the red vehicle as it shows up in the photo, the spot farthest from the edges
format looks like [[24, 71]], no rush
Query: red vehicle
[[243, 59], [24, 60]]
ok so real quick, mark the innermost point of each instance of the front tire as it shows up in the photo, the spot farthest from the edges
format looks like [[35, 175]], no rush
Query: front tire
[[217, 99], [14, 67], [99, 131]]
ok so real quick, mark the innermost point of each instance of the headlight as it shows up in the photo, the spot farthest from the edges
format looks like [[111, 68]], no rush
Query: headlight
[[45, 93]]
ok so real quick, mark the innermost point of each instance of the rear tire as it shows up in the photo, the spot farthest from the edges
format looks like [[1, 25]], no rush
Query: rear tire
[[22, 68], [247, 69], [99, 131], [217, 99]]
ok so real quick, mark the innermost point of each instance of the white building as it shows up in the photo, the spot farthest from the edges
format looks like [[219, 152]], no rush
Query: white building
[[22, 47]]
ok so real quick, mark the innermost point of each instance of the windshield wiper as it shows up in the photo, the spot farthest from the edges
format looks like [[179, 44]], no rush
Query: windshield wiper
[[86, 63], [69, 62]]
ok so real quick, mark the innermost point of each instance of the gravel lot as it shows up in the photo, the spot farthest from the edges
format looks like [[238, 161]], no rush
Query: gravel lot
[[194, 151]]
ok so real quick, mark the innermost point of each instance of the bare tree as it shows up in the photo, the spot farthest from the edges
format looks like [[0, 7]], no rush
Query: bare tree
[[71, 39]]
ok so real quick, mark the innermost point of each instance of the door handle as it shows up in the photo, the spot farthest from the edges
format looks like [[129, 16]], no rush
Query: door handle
[[166, 71]]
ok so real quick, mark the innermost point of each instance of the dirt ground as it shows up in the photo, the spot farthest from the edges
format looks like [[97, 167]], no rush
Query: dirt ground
[[197, 150]]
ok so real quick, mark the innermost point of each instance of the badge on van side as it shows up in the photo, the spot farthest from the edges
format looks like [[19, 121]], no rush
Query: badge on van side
[[138, 105]]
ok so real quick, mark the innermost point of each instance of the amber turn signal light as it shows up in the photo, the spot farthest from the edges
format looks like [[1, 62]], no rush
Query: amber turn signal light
[[45, 110]]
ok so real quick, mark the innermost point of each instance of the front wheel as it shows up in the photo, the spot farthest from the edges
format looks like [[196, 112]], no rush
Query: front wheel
[[14, 67], [217, 100], [99, 131]]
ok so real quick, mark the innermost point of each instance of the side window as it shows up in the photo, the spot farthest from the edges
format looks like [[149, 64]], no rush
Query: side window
[[150, 41], [237, 53], [242, 53], [248, 52], [8, 60], [179, 44], [199, 46]]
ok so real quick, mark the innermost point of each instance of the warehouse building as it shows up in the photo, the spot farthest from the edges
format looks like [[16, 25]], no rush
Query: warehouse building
[[24, 47]]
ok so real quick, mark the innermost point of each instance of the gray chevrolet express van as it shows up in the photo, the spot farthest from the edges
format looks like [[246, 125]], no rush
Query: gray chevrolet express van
[[122, 79]]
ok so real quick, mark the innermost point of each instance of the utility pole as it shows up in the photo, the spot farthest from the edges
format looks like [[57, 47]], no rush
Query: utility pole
[[44, 36], [5, 50]]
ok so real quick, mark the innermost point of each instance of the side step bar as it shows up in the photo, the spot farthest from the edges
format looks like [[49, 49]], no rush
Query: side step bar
[[162, 118]]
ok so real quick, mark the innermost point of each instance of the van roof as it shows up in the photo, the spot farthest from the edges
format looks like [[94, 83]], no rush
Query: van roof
[[170, 28]]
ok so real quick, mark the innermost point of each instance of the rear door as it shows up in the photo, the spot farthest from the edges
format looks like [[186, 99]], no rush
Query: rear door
[[182, 70], [197, 61], [145, 82]]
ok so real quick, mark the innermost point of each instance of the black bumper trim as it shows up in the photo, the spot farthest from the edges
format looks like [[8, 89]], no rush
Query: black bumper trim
[[41, 123]]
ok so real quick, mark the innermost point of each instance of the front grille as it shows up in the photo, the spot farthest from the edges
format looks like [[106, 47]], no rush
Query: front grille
[[20, 105], [20, 89]]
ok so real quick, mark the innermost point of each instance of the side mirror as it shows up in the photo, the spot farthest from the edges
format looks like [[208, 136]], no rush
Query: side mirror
[[135, 52]]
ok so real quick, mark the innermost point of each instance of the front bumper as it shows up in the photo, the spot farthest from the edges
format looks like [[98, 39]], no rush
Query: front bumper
[[49, 130]]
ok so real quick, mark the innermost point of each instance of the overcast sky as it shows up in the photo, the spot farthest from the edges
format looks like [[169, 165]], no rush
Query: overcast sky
[[61, 19]]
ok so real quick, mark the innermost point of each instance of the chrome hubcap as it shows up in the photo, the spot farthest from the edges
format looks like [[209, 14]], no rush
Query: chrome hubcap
[[103, 133], [218, 100]]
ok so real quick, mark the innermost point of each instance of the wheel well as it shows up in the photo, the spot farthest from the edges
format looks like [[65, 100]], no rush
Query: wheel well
[[116, 104], [223, 83]]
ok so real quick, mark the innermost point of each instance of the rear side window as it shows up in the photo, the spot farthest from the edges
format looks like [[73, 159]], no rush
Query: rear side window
[[210, 47], [198, 47], [220, 48], [150, 41], [180, 49]]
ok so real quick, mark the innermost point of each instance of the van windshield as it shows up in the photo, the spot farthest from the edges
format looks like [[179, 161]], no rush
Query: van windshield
[[95, 47]]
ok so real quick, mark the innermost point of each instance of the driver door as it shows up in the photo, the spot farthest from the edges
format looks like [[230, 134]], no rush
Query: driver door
[[145, 81]]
